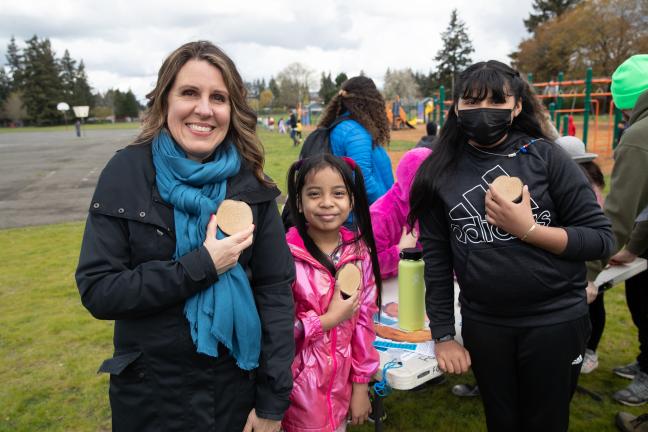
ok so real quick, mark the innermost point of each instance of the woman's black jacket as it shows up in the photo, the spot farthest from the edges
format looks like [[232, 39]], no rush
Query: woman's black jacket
[[126, 273]]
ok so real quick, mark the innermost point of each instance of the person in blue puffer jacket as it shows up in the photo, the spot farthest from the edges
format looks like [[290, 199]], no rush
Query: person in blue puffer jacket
[[364, 135]]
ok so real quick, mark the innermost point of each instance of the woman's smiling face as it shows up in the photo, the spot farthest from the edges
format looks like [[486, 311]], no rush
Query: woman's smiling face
[[199, 110]]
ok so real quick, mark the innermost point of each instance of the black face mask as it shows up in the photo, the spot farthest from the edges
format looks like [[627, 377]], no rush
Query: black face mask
[[485, 126]]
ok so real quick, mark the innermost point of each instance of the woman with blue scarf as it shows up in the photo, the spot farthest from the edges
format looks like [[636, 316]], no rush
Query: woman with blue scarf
[[203, 321]]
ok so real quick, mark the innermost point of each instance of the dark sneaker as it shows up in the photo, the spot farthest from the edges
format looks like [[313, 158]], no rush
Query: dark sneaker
[[465, 390], [636, 393], [626, 422], [628, 371]]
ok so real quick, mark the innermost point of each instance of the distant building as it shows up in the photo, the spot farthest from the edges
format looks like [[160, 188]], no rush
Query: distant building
[[314, 108]]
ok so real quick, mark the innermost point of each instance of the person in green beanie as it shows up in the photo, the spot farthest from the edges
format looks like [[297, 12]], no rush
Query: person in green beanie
[[627, 198], [629, 81]]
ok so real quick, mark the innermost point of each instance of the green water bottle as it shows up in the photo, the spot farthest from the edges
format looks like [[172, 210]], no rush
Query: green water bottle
[[411, 290]]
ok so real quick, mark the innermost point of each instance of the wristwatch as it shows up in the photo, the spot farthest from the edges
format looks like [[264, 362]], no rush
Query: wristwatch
[[444, 338]]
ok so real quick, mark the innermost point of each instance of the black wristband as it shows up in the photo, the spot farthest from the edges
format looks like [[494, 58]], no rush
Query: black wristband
[[444, 338]]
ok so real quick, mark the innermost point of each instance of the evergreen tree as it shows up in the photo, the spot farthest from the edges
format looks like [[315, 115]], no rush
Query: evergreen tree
[[274, 88], [68, 73], [427, 83], [125, 104], [15, 63], [327, 88], [455, 54], [41, 82], [545, 10], [339, 79], [82, 91], [132, 106], [5, 86]]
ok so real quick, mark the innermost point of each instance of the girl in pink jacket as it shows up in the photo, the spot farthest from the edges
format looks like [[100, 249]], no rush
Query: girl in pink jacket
[[389, 213], [335, 358]]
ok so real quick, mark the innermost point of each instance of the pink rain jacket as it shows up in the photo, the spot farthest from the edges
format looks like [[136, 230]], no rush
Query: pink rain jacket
[[327, 363], [389, 212]]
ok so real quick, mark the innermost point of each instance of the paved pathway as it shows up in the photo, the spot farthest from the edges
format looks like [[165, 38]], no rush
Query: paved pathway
[[49, 177]]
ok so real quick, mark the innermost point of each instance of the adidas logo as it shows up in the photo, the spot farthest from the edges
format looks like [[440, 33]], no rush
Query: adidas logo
[[578, 360]]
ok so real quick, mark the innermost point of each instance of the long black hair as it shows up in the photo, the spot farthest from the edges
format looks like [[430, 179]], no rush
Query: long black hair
[[354, 184], [482, 80]]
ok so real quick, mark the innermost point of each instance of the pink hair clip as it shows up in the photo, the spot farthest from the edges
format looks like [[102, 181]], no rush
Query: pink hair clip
[[349, 162]]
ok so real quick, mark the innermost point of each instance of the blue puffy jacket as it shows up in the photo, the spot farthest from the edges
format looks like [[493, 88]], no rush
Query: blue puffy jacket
[[350, 138]]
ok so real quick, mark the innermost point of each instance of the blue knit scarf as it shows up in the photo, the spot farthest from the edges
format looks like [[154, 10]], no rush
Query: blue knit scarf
[[225, 312]]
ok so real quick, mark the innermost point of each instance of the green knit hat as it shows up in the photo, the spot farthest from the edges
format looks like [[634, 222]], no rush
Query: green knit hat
[[630, 80]]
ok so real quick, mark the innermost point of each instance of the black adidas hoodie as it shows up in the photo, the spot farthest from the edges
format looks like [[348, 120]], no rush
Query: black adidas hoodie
[[503, 280]]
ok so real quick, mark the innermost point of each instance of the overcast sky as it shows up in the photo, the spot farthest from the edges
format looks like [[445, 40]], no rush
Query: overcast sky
[[123, 43]]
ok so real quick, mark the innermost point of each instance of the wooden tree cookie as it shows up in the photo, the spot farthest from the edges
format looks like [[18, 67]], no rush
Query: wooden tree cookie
[[233, 216], [349, 278], [509, 187]]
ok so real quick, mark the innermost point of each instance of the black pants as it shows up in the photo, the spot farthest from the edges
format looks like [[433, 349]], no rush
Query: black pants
[[212, 395], [637, 298], [526, 376], [597, 319]]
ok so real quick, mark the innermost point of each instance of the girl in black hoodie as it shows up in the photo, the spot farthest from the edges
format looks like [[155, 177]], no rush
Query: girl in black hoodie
[[520, 264]]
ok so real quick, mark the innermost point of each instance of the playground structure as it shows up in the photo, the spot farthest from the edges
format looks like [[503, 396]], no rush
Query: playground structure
[[401, 120], [592, 95]]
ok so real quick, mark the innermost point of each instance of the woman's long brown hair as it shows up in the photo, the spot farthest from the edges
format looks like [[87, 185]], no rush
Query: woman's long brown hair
[[242, 128]]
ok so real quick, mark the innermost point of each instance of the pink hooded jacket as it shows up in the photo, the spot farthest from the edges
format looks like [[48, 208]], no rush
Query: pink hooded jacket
[[389, 212], [327, 363]]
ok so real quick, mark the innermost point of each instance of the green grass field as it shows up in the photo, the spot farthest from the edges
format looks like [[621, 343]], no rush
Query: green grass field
[[50, 346]]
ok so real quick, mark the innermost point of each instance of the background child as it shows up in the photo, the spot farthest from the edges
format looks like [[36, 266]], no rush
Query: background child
[[298, 132], [335, 357], [389, 214], [429, 139]]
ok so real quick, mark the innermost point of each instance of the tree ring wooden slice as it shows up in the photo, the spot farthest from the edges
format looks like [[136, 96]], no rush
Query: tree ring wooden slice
[[509, 187], [349, 278], [233, 216]]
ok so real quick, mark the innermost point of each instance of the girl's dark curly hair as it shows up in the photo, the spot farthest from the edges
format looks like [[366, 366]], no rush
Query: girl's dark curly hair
[[360, 97]]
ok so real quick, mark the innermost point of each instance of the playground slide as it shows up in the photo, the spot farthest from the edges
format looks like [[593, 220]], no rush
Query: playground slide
[[402, 117]]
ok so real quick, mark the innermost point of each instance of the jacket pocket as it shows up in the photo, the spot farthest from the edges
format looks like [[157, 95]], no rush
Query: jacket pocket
[[117, 364], [149, 242], [132, 401]]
